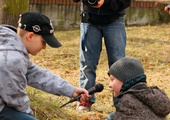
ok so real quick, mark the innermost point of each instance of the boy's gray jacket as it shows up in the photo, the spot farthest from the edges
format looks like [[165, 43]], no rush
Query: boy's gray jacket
[[17, 71]]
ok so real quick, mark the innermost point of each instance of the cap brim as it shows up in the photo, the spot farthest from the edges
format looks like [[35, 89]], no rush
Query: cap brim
[[52, 41]]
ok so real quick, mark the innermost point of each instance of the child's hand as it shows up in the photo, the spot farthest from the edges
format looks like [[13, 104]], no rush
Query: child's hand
[[83, 92]]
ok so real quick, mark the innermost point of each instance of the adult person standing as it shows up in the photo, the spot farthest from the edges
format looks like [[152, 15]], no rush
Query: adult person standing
[[106, 19]]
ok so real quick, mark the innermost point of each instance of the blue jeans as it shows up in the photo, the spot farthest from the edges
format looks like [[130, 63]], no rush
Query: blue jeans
[[110, 116], [115, 41], [9, 113]]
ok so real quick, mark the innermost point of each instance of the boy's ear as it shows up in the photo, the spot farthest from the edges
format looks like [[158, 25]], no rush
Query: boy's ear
[[29, 36]]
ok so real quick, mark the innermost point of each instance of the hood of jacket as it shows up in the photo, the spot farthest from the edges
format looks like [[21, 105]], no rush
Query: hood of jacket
[[153, 97], [9, 40]]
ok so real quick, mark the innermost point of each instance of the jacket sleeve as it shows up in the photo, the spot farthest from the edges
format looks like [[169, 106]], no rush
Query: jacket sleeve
[[117, 5], [47, 81]]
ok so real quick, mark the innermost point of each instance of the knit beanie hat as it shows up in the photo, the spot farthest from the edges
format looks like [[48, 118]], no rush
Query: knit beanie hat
[[126, 68]]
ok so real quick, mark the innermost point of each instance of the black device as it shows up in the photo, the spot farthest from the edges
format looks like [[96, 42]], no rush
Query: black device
[[96, 88], [88, 2]]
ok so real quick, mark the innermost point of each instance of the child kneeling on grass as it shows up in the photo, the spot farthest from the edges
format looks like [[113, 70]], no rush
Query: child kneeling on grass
[[134, 99], [34, 31]]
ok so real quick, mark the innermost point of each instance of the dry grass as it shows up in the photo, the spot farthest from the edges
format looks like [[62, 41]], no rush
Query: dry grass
[[150, 44]]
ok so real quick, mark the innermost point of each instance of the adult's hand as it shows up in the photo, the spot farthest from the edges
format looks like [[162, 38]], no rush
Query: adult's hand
[[167, 9], [100, 3]]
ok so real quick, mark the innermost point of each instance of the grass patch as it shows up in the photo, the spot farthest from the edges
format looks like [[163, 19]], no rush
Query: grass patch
[[150, 44]]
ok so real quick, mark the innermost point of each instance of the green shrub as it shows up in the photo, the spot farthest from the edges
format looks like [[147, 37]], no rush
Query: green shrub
[[16, 6]]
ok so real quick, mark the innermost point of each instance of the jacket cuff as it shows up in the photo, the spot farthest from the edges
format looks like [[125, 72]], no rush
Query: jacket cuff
[[69, 90], [106, 2]]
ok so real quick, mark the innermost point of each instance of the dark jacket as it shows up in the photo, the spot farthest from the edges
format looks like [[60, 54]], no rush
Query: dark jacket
[[142, 103], [108, 12], [111, 7]]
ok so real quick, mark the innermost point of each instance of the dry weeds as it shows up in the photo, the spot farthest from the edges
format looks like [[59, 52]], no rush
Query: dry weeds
[[150, 44]]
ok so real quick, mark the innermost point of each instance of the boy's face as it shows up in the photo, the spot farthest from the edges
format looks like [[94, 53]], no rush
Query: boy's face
[[35, 43], [115, 85]]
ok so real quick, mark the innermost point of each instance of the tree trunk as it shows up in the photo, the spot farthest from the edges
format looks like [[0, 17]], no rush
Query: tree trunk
[[1, 11]]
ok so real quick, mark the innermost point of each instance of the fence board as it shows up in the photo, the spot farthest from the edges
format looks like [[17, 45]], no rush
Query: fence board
[[135, 3], [56, 2], [143, 4]]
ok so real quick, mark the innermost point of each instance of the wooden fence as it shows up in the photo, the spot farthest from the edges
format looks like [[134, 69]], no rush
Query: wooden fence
[[143, 4], [53, 2], [65, 14], [135, 3]]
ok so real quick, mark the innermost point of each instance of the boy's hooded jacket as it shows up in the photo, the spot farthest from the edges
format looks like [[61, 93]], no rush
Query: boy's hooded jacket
[[17, 71], [142, 103]]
